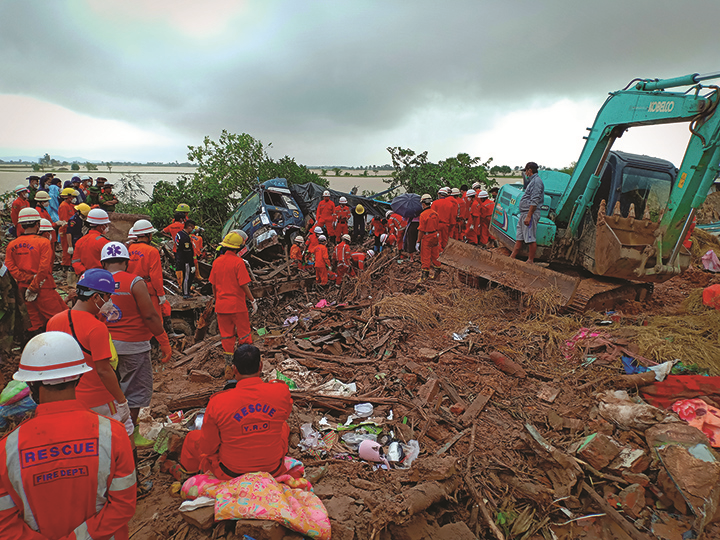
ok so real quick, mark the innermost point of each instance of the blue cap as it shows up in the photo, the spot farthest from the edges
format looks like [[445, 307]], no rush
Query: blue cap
[[97, 279]]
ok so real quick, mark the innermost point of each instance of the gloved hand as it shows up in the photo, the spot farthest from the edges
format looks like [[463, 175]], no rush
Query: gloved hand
[[71, 251], [471, 227], [61, 223], [417, 246], [162, 299], [192, 270], [254, 306], [124, 411], [30, 295]]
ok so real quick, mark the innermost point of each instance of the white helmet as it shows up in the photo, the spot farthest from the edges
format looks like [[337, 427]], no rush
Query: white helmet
[[343, 200], [346, 237], [28, 215], [299, 239], [131, 234], [476, 185], [20, 188], [97, 216], [426, 198], [383, 237], [470, 193], [370, 253], [45, 226], [483, 194], [321, 238], [454, 192], [142, 226], [388, 213], [318, 230], [114, 250], [53, 358], [326, 193], [42, 196]]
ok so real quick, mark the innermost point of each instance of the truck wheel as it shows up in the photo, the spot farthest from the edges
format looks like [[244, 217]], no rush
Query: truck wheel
[[181, 326]]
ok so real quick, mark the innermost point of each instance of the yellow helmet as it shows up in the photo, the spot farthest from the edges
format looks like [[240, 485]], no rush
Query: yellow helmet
[[182, 207], [233, 240], [83, 209], [69, 192], [359, 209]]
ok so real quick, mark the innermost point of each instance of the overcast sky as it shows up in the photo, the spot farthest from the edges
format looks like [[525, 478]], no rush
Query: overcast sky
[[338, 81]]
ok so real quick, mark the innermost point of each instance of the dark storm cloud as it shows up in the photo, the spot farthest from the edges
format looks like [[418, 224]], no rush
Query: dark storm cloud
[[333, 70]]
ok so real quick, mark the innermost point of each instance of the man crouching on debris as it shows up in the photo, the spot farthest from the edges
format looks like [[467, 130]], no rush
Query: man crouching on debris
[[245, 428]]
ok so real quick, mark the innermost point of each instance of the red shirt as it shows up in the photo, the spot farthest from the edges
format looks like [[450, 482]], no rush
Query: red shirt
[[444, 208], [378, 226], [321, 256], [396, 223], [429, 221], [246, 426], [66, 210], [130, 326], [29, 259], [173, 229], [228, 275], [342, 213], [67, 461], [325, 211], [87, 251], [342, 253], [145, 262], [17, 205], [94, 339]]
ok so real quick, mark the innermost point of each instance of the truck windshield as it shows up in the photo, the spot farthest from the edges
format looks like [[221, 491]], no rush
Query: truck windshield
[[247, 210], [647, 190]]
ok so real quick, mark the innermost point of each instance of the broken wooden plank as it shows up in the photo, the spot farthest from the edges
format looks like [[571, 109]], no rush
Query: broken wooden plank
[[192, 400], [380, 342], [330, 357], [325, 339], [444, 448], [477, 405], [616, 516], [452, 392]]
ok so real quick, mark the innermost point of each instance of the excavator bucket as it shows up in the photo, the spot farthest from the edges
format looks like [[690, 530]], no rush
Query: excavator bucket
[[502, 270]]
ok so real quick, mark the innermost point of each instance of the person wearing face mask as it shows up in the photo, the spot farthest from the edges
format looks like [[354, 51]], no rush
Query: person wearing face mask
[[46, 230], [42, 198], [18, 204], [87, 250], [76, 224], [29, 259], [65, 212], [33, 183], [75, 184], [68, 472], [99, 389], [132, 321]]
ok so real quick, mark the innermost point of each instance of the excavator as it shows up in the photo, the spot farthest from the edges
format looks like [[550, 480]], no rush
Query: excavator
[[617, 225]]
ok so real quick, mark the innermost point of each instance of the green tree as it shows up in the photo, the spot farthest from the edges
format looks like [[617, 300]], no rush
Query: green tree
[[36, 167], [337, 171], [90, 166], [108, 165], [75, 166], [323, 172], [569, 169]]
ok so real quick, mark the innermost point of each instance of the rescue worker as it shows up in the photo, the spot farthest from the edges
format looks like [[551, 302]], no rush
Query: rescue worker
[[132, 322], [33, 183], [145, 262], [13, 313], [428, 238], [66, 210], [75, 184], [98, 389], [396, 225], [322, 261], [297, 253], [245, 428], [463, 212], [342, 216], [46, 231], [325, 213], [42, 198], [76, 225], [312, 243], [86, 183], [388, 241], [197, 243], [444, 208], [87, 250], [343, 262], [359, 257], [20, 202], [473, 218], [183, 209], [175, 227], [29, 259], [54, 190], [485, 207], [456, 198], [358, 217], [379, 227], [185, 257], [229, 278], [107, 199], [67, 472]]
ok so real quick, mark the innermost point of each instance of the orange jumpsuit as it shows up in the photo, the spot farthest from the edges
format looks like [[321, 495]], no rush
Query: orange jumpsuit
[[46, 215], [430, 242], [145, 262], [228, 275], [296, 256], [342, 215], [326, 215], [244, 430], [87, 252], [29, 260], [173, 229], [358, 259], [454, 217], [67, 470], [65, 211], [486, 212], [471, 232], [311, 242], [322, 262], [444, 209], [17, 205], [463, 215], [344, 262]]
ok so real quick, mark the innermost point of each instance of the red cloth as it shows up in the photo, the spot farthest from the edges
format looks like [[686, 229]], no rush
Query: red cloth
[[55, 458], [145, 262], [131, 325], [228, 275], [66, 210], [711, 296], [173, 229], [93, 336], [234, 327], [244, 428], [675, 387], [87, 252]]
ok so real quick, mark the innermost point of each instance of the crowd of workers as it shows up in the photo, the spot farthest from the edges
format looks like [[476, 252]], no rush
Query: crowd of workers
[[89, 368]]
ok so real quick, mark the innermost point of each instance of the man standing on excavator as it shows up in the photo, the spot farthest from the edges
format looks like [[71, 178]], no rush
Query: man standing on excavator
[[532, 198]]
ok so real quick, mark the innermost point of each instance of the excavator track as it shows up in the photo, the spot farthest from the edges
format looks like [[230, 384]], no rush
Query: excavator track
[[577, 294]]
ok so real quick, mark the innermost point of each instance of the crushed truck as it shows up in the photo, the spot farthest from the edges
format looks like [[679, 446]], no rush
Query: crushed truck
[[617, 224]]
